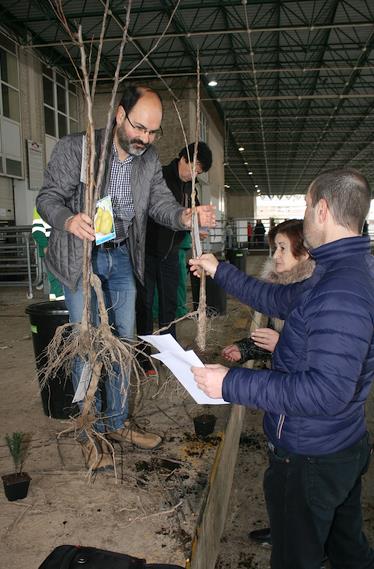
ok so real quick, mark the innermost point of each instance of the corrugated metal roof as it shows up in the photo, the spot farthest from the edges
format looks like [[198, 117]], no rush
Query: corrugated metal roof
[[295, 79]]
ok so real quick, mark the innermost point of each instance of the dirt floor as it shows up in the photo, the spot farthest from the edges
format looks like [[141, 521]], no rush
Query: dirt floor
[[150, 510], [247, 508]]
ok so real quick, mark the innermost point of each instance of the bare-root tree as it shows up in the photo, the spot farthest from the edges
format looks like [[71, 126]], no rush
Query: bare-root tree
[[201, 311], [202, 318], [94, 343]]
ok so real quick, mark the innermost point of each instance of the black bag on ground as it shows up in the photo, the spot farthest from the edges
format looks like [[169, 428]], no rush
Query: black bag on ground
[[76, 557]]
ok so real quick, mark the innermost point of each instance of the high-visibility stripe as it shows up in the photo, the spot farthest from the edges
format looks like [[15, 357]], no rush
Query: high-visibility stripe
[[40, 228], [38, 224]]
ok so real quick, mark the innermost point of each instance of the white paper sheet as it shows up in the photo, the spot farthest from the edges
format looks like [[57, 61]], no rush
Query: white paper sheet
[[163, 343], [179, 362]]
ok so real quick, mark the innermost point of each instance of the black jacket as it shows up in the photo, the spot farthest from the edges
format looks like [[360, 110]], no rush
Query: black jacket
[[160, 240]]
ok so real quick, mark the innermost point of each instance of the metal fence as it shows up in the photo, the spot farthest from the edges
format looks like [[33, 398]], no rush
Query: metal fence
[[20, 264], [236, 235], [19, 261], [240, 233]]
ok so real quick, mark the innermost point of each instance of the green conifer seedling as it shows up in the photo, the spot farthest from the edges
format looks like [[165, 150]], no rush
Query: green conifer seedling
[[18, 443]]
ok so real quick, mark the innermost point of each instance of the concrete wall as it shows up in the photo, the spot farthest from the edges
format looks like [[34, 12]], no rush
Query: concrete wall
[[6, 199], [32, 124], [239, 206], [32, 128]]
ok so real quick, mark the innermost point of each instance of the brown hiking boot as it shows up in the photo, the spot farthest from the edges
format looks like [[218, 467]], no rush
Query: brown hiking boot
[[97, 455], [136, 436]]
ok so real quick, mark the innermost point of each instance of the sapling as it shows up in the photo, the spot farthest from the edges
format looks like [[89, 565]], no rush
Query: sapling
[[16, 484], [18, 444]]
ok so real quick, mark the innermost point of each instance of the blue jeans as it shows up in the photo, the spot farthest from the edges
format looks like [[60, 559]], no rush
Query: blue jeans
[[113, 267]]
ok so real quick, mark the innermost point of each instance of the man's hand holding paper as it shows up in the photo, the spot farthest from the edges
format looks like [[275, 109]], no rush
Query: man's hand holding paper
[[183, 364], [210, 379]]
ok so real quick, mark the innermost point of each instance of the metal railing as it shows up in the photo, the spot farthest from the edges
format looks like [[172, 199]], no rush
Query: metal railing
[[235, 233], [19, 262]]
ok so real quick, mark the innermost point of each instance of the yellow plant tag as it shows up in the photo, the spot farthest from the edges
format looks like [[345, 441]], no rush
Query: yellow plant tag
[[104, 221]]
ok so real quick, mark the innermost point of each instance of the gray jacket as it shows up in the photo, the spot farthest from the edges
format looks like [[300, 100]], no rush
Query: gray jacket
[[62, 195]]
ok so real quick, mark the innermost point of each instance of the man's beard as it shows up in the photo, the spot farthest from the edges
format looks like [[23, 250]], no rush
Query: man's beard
[[133, 146]]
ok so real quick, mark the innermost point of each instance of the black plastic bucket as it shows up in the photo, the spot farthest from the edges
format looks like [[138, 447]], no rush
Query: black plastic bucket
[[57, 395], [237, 257]]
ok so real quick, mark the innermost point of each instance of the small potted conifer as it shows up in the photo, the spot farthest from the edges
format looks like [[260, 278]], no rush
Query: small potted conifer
[[16, 484]]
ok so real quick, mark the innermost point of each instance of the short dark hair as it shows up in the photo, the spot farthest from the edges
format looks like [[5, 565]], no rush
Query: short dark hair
[[204, 154], [293, 229], [347, 193], [132, 94]]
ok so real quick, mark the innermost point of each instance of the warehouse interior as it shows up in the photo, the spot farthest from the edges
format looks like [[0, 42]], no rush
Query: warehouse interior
[[280, 90]]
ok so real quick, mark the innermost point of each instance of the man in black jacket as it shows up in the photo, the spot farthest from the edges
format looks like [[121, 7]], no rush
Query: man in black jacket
[[162, 246]]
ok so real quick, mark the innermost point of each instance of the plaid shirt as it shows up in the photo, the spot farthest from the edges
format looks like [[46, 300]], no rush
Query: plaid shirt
[[120, 192]]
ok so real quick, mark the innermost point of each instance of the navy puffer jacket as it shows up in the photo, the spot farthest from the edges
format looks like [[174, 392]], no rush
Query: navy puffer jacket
[[323, 366]]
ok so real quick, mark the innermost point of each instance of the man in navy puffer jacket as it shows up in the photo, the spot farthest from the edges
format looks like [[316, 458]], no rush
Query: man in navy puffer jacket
[[314, 396]]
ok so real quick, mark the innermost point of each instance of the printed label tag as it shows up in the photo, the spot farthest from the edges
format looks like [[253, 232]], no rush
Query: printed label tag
[[104, 221]]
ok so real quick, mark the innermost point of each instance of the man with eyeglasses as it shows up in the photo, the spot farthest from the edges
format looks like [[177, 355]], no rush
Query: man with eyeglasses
[[134, 181], [162, 249]]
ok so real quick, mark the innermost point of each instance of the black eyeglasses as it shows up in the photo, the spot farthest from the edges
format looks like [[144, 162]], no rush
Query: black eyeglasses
[[156, 134]]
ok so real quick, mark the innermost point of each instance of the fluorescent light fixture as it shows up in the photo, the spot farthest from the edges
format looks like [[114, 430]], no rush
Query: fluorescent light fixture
[[250, 173], [227, 186], [241, 148], [212, 83], [256, 185], [246, 163]]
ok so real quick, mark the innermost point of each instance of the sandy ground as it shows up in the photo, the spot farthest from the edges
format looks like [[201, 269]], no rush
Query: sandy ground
[[150, 510]]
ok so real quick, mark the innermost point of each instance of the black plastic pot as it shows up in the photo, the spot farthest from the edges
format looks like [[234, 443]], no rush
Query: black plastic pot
[[204, 424], [16, 485], [57, 395]]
